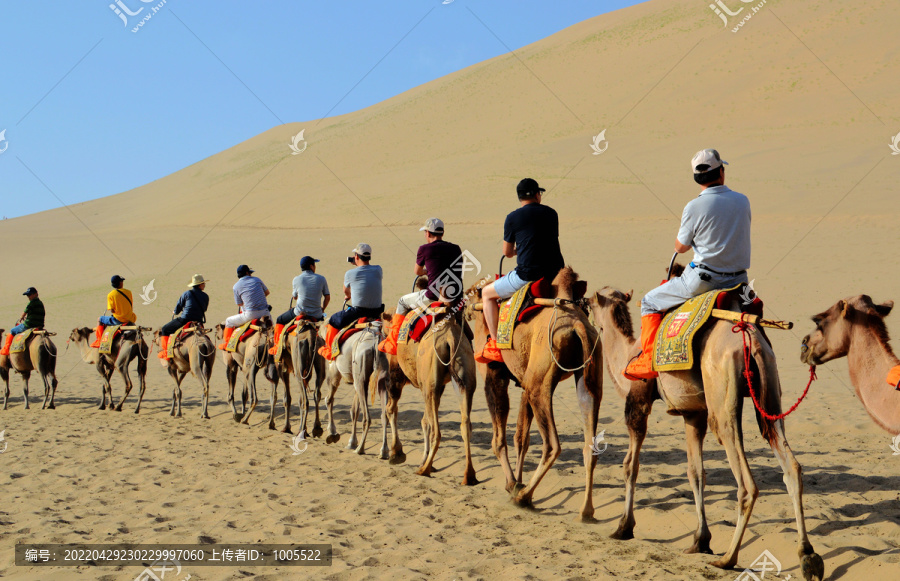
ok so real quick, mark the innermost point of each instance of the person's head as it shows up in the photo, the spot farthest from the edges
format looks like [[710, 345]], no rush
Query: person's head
[[529, 191], [198, 282], [31, 293], [244, 270], [308, 263], [362, 254], [433, 228], [116, 281], [709, 168]]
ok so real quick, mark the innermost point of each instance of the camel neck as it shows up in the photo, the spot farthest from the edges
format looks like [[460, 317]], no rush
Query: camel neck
[[617, 350], [869, 362]]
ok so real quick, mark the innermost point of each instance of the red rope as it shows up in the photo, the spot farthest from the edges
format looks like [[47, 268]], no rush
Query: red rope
[[743, 327]]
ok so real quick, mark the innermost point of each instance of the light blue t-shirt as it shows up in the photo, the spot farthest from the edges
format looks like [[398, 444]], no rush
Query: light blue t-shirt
[[251, 292], [309, 288], [717, 225], [365, 286]]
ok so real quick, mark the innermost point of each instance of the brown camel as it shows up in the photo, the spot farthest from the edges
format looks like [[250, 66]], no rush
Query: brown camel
[[40, 356], [302, 347], [126, 347], [711, 394], [443, 355], [550, 347], [194, 354], [251, 356], [854, 328]]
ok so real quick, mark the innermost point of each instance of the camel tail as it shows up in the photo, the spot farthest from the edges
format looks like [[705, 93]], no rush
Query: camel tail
[[768, 391]]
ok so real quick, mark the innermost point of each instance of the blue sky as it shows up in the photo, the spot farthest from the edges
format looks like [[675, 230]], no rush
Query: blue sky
[[91, 108]]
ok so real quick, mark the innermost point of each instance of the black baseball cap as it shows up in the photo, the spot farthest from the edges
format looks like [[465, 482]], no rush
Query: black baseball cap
[[244, 270], [528, 187], [307, 262], [115, 280], [31, 290]]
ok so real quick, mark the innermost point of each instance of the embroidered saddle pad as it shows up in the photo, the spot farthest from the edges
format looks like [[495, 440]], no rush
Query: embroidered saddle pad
[[18, 344], [106, 340], [345, 334], [417, 322], [178, 336], [673, 349], [240, 334], [291, 329]]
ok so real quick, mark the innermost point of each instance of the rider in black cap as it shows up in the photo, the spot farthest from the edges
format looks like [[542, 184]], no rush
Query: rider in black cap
[[32, 318]]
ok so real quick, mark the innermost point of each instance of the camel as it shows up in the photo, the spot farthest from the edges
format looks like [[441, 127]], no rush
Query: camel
[[854, 328], [302, 347], [126, 347], [443, 355], [363, 366], [547, 349], [40, 356], [712, 394], [194, 354], [251, 356]]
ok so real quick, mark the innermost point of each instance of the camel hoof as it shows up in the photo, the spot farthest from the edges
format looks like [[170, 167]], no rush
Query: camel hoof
[[360, 451], [523, 502], [238, 417], [317, 431], [622, 534], [286, 430], [272, 426], [424, 472], [51, 407], [589, 519], [118, 408], [722, 564], [397, 458], [699, 547], [137, 410], [516, 488], [332, 438], [469, 480], [204, 417], [102, 407], [813, 567]]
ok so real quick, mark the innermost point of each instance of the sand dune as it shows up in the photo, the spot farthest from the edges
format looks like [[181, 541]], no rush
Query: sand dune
[[802, 102]]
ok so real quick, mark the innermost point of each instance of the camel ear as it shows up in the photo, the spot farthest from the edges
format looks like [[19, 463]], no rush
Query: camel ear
[[628, 295], [844, 306], [598, 299], [884, 309]]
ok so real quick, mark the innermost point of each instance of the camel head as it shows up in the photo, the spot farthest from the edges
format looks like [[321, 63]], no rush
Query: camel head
[[220, 331], [473, 295], [80, 335], [834, 328], [610, 309]]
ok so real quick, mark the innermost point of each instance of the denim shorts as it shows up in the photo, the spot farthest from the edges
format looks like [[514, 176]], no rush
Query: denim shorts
[[508, 285]]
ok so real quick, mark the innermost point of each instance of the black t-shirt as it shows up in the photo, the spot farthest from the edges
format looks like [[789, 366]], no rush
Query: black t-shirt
[[534, 228], [443, 265]]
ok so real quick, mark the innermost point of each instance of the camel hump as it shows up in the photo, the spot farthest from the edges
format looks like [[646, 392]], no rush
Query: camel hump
[[566, 285]]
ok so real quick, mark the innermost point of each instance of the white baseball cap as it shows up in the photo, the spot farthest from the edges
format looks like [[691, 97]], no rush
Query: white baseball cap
[[709, 158], [433, 225], [363, 249]]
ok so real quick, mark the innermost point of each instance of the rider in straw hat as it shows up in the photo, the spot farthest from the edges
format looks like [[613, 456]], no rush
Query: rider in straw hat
[[191, 307]]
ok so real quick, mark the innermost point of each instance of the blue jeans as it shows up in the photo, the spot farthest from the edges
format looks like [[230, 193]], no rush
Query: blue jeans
[[344, 318], [689, 285], [17, 329], [509, 284], [109, 321]]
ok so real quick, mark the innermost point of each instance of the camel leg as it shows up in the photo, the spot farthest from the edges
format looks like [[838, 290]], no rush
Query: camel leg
[[199, 369], [106, 371], [426, 434], [496, 391], [319, 366], [287, 407], [26, 375], [334, 381], [354, 416], [122, 368], [397, 455], [4, 375], [250, 380], [465, 423], [179, 393], [522, 439], [173, 373], [542, 407], [811, 564], [589, 400], [695, 432], [362, 391], [53, 384], [636, 416], [142, 375], [273, 400], [231, 378], [432, 395]]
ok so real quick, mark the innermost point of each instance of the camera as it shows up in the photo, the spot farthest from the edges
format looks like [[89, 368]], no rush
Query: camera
[[351, 259]]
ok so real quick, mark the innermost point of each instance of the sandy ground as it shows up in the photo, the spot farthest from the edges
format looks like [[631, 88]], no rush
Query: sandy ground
[[802, 101]]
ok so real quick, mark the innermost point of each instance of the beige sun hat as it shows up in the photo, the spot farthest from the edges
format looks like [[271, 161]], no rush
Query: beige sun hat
[[197, 281]]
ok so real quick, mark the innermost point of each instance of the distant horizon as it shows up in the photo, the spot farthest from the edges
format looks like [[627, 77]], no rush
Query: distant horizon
[[106, 100]]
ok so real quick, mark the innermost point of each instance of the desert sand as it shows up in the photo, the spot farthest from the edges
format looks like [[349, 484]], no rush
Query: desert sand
[[802, 101]]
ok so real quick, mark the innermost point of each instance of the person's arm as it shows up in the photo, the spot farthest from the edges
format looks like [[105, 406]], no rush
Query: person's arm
[[509, 249], [509, 238], [325, 301], [266, 290], [686, 232], [347, 292], [420, 270], [180, 306], [681, 248]]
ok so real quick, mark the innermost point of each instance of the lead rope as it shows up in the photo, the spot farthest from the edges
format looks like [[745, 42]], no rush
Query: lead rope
[[434, 344], [550, 328], [743, 327]]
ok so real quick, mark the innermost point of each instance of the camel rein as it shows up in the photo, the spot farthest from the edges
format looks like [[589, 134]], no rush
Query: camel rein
[[743, 328]]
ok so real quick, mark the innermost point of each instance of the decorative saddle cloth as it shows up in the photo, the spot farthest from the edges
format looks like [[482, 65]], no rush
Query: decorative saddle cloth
[[241, 334], [521, 307], [292, 328], [18, 344], [348, 332], [674, 345], [419, 321], [106, 340], [180, 335]]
